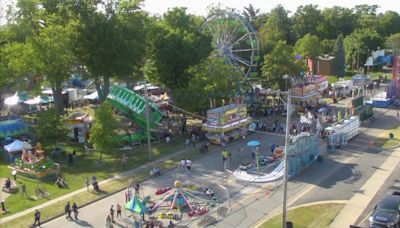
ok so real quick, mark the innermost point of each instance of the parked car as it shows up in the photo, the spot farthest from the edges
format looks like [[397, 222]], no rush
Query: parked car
[[386, 212]]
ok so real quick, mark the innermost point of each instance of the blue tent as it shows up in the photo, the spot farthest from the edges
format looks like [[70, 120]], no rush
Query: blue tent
[[12, 127], [253, 143]]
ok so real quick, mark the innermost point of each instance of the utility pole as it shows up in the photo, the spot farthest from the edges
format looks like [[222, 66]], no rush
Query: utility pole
[[285, 174], [148, 123]]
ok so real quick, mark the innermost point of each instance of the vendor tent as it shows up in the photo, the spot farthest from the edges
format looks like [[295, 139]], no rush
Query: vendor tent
[[92, 96], [37, 100], [16, 98], [17, 145], [12, 127], [136, 205]]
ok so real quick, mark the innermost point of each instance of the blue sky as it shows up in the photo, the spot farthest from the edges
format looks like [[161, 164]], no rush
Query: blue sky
[[200, 6]]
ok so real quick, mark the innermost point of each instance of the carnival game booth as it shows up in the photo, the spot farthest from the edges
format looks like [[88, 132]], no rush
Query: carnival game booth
[[79, 123], [227, 123], [342, 88], [305, 95], [320, 80], [380, 100]]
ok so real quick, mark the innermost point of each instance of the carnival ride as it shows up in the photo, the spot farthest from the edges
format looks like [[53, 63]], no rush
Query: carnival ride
[[233, 39], [264, 169], [133, 106], [191, 200], [34, 163]]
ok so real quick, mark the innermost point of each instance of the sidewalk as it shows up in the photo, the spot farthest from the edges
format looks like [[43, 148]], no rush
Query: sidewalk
[[72, 194], [356, 205]]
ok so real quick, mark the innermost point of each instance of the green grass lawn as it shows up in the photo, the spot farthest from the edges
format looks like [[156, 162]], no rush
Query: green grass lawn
[[333, 78], [387, 143], [307, 217], [84, 166]]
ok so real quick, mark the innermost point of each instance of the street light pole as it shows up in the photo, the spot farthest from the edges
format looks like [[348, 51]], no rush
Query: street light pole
[[286, 77], [148, 123], [285, 174]]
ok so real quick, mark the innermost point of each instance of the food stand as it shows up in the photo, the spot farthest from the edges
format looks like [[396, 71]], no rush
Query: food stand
[[305, 95], [79, 123], [227, 123]]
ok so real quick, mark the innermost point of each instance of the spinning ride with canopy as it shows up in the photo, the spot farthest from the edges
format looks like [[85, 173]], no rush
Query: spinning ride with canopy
[[233, 39]]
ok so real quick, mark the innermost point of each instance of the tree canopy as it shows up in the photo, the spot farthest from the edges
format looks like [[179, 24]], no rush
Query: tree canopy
[[102, 133], [280, 61], [210, 79]]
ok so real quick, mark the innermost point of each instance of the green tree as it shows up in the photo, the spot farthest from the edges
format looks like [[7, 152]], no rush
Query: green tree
[[51, 127], [366, 16], [103, 131], [280, 61], [251, 14], [308, 46], [176, 44], [338, 52], [327, 46], [277, 27], [337, 20], [307, 19], [42, 32], [389, 23], [52, 57], [210, 79], [359, 43], [393, 42], [111, 43]]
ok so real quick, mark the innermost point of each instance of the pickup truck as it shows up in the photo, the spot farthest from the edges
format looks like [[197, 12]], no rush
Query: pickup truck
[[387, 212]]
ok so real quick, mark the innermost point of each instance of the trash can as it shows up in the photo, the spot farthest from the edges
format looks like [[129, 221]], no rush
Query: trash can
[[391, 136], [289, 224]]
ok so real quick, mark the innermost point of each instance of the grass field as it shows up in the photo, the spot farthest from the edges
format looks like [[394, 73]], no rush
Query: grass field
[[385, 142], [320, 216]]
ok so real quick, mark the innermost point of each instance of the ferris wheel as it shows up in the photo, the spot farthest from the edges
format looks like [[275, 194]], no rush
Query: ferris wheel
[[234, 39]]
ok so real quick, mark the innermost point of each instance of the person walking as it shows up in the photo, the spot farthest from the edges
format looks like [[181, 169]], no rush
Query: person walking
[[108, 221], [23, 190], [112, 213], [137, 189], [183, 164], [225, 155], [193, 140], [188, 164], [87, 183], [118, 210], [37, 218], [75, 210], [68, 211]]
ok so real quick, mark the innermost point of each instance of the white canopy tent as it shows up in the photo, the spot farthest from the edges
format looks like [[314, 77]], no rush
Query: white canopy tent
[[92, 96], [17, 145]]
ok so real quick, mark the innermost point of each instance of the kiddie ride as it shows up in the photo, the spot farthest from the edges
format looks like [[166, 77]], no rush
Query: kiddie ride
[[193, 200], [34, 164], [264, 169]]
